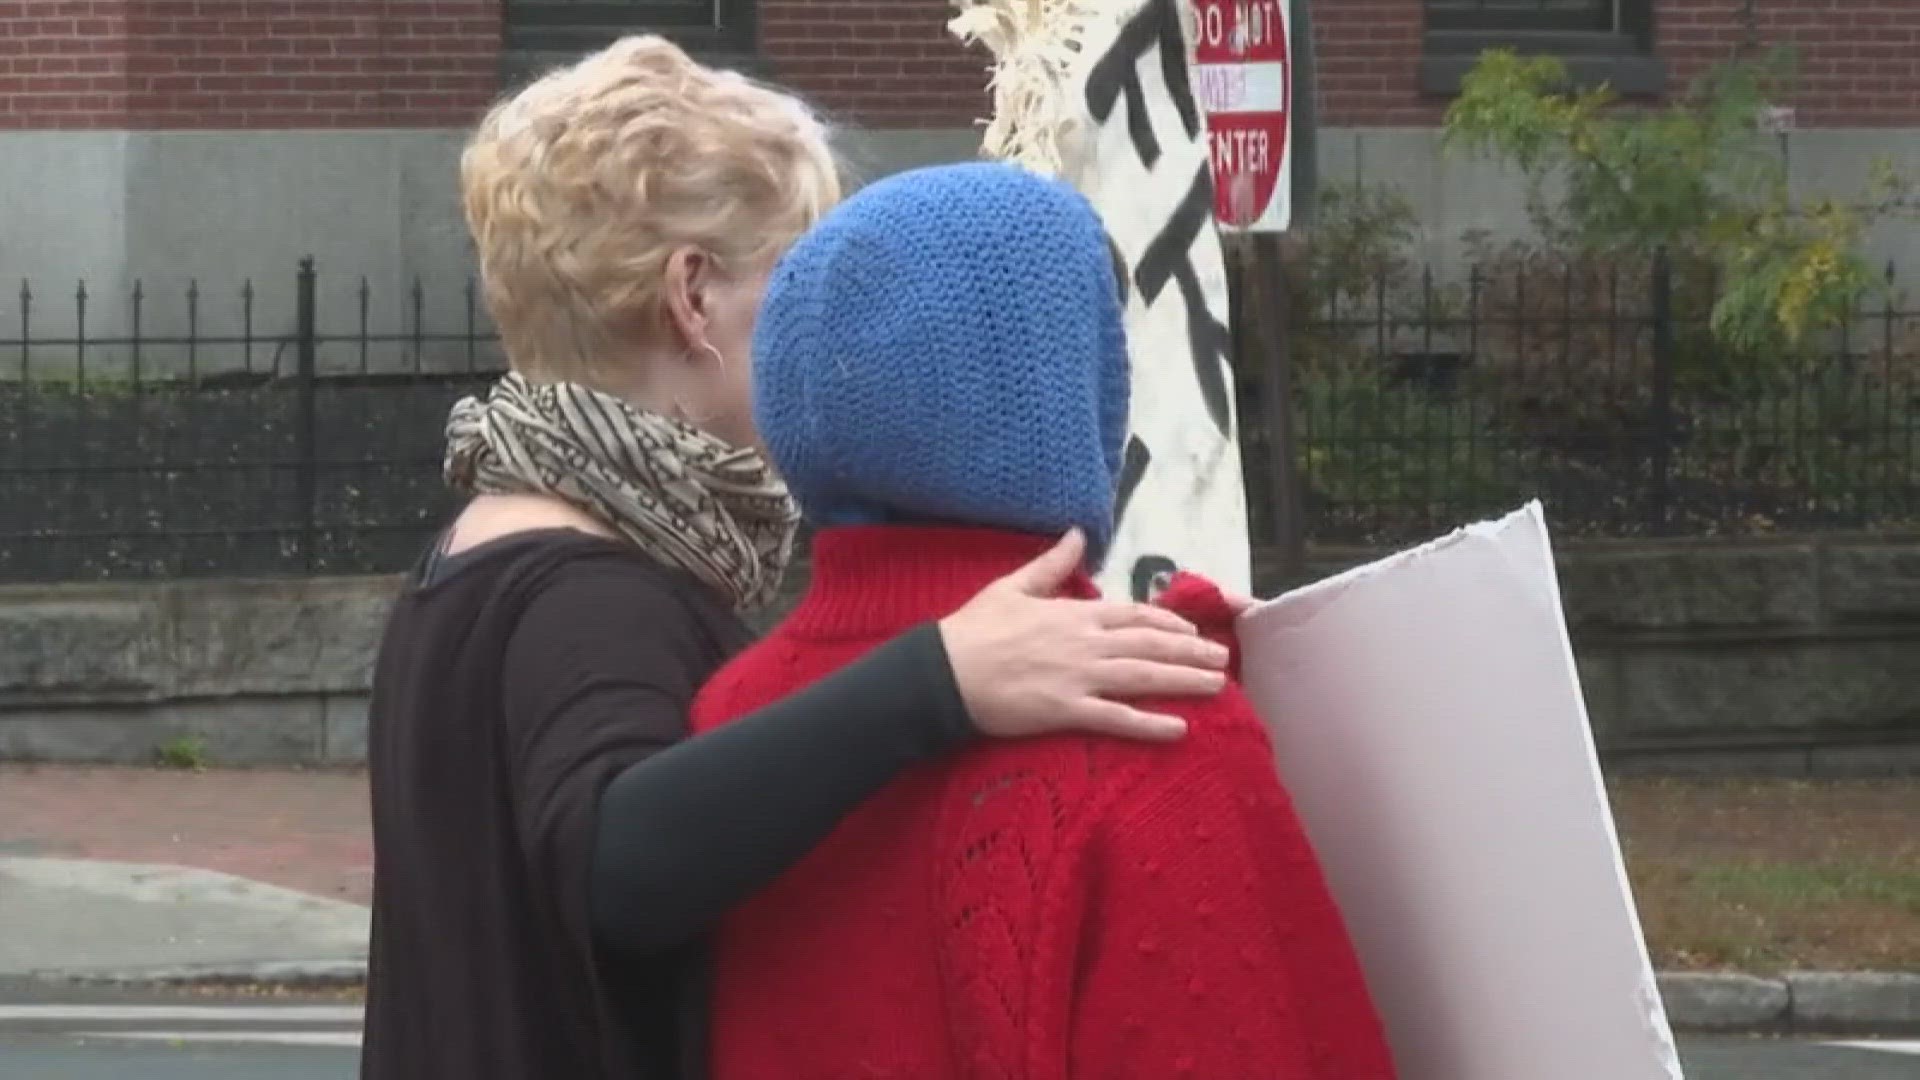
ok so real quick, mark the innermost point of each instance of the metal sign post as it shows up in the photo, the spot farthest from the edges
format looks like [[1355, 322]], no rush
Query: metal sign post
[[1248, 76]]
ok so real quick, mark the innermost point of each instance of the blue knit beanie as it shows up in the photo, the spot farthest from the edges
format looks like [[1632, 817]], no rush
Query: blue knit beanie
[[948, 347]]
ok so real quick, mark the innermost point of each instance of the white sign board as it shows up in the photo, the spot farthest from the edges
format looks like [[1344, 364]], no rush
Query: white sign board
[[1102, 96], [1427, 718], [1243, 75]]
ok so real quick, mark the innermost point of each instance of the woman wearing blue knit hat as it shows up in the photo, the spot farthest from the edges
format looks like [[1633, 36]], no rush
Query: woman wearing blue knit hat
[[940, 374]]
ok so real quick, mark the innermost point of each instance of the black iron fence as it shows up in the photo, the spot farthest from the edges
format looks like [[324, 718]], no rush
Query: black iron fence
[[276, 429], [1420, 403], [255, 431]]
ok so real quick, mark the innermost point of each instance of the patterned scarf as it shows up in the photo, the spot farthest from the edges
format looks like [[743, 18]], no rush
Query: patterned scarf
[[676, 492]]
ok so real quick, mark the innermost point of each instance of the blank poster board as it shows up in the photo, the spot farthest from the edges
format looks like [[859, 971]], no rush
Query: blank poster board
[[1427, 718]]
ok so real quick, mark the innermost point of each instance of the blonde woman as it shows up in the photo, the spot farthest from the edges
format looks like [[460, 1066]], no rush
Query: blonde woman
[[550, 847]]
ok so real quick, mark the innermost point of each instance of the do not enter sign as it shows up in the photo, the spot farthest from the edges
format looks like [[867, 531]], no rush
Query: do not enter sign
[[1243, 78]]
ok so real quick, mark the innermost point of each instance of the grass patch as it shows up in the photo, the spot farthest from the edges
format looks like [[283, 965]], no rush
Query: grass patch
[[187, 753], [1769, 876], [1764, 884]]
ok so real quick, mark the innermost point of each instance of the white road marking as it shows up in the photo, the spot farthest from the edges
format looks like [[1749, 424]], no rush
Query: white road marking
[[231, 1038], [282, 1014], [1882, 1047]]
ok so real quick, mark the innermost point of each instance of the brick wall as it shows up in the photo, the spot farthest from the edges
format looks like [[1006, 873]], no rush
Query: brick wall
[[1860, 59], [76, 64], [63, 63], [879, 63], [1368, 53], [889, 63]]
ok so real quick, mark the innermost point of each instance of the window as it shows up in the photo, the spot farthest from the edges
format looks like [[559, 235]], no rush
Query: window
[[1522, 16], [711, 29], [1607, 41]]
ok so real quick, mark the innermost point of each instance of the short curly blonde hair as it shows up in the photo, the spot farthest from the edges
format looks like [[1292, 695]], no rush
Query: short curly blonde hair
[[579, 189]]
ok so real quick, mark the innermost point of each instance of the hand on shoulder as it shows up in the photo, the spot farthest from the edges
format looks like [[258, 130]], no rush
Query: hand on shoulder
[[1028, 663]]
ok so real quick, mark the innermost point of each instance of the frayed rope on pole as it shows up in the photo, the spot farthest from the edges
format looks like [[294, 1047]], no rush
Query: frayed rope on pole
[[1037, 47]]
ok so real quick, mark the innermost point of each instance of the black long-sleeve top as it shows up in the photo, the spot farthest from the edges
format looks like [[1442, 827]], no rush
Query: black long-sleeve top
[[550, 847]]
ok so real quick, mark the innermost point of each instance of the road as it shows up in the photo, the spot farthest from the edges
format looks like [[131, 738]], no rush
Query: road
[[46, 1035]]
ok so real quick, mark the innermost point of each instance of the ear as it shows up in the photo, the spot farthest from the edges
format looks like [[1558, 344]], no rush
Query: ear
[[688, 277]]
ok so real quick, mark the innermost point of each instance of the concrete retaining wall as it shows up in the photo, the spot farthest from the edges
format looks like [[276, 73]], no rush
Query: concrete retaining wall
[[1798, 658], [260, 671]]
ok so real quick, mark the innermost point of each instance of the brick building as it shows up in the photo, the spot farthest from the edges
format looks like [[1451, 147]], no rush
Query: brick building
[[1387, 68], [220, 138]]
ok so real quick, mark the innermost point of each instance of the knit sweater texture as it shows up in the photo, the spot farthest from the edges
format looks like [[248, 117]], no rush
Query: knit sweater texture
[[949, 345], [1067, 907]]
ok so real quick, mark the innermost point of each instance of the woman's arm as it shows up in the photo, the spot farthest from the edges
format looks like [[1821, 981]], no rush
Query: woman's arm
[[694, 829], [648, 838]]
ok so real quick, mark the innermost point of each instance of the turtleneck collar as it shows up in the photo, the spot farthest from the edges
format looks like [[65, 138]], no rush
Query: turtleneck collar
[[878, 580]]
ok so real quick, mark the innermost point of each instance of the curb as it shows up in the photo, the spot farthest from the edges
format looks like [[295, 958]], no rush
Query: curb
[[1823, 1003], [1803, 1002], [279, 974]]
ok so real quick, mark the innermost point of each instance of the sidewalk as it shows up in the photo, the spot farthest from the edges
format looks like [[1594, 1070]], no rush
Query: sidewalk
[[152, 876], [307, 831], [142, 876]]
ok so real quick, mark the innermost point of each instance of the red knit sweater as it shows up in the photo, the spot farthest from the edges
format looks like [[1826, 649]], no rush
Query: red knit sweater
[[1041, 909]]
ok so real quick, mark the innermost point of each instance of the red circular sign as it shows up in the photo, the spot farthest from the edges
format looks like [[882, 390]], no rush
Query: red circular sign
[[1243, 80]]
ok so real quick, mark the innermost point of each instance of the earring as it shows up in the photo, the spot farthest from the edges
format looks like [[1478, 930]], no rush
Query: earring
[[713, 351]]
